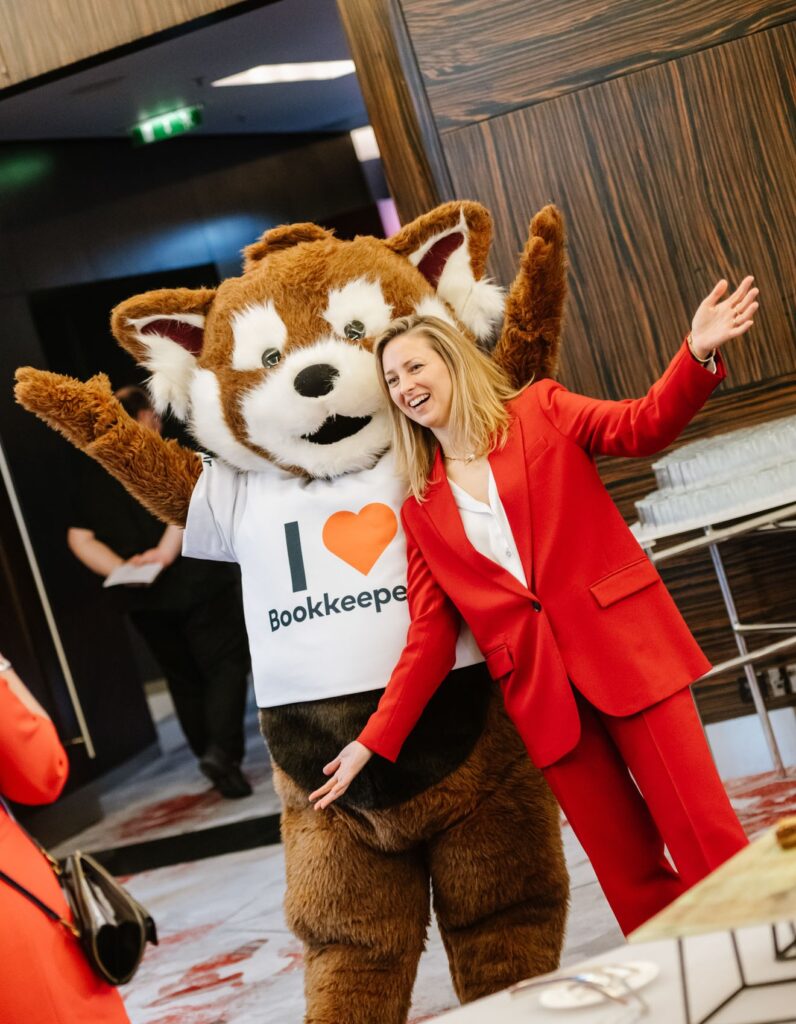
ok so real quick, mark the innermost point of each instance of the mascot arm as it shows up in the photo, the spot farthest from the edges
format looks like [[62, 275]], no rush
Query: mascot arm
[[160, 474], [528, 346]]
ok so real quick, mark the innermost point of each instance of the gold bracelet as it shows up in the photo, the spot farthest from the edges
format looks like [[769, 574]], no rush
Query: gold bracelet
[[702, 362]]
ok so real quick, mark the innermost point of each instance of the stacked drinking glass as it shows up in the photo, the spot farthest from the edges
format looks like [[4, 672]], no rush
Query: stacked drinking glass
[[724, 477]]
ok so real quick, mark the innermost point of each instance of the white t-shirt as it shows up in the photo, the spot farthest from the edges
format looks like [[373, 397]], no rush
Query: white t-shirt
[[323, 567], [488, 528]]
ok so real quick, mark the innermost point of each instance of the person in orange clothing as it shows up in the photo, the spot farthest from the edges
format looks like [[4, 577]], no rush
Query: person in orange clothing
[[509, 526], [44, 976]]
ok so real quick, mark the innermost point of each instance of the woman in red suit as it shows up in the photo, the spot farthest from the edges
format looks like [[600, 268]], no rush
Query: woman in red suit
[[510, 527], [44, 976]]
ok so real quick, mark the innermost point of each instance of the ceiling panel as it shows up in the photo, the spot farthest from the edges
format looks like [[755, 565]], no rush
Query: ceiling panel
[[107, 99]]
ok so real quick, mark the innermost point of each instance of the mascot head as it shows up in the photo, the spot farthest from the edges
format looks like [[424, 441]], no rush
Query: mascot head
[[276, 366]]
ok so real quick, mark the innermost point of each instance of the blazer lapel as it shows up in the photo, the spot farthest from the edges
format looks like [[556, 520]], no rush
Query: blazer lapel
[[511, 477], [440, 507]]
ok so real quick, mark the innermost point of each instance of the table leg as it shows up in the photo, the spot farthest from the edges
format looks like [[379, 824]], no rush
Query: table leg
[[788, 951], [754, 688]]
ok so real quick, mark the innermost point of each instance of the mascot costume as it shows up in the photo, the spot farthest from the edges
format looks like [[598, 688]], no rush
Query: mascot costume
[[274, 374]]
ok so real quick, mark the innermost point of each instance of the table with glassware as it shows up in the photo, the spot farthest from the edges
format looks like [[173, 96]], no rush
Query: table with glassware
[[728, 486]]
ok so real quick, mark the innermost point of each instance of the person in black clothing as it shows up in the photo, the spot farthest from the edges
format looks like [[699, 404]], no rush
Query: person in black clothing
[[191, 616]]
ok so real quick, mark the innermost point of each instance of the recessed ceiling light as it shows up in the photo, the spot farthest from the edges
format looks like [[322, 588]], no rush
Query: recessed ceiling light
[[267, 74]]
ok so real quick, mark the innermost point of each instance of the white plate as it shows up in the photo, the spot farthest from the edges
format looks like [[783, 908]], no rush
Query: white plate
[[569, 995]]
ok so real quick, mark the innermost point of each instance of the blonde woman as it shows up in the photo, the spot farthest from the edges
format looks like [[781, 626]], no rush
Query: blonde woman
[[509, 527]]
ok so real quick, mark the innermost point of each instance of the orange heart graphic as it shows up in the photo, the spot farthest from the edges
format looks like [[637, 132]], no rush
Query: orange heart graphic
[[360, 538]]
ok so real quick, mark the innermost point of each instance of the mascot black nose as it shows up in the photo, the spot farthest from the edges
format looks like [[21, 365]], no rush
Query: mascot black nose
[[314, 381]]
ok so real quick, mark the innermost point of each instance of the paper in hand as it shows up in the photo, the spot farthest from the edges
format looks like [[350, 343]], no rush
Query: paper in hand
[[134, 575]]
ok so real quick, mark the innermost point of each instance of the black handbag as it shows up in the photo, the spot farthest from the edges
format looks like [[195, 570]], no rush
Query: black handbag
[[111, 926]]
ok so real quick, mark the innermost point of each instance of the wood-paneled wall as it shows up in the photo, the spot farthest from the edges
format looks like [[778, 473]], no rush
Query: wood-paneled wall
[[669, 178], [390, 80], [665, 132], [480, 60], [37, 36]]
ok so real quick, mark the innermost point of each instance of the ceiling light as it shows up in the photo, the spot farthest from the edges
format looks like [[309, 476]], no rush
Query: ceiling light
[[267, 74]]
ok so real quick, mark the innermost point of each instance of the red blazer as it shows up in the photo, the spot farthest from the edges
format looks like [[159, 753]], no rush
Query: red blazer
[[597, 612]]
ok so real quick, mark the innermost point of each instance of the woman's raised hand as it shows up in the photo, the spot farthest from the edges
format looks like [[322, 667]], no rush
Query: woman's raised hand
[[343, 769], [717, 320]]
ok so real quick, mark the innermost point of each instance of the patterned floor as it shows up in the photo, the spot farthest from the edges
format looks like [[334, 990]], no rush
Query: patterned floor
[[227, 956], [761, 800], [170, 796]]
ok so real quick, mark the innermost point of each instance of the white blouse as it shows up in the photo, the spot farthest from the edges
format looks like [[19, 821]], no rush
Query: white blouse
[[488, 529]]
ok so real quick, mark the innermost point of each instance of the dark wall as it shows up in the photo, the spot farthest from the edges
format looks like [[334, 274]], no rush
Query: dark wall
[[73, 214], [664, 131]]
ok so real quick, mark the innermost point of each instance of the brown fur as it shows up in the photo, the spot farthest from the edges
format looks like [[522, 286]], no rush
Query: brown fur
[[478, 220], [160, 474], [282, 237], [81, 412], [164, 301], [529, 343], [469, 836]]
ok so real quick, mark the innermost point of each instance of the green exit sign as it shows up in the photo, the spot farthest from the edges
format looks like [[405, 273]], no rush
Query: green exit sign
[[166, 126]]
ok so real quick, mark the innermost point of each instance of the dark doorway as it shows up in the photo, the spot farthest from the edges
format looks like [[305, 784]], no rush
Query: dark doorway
[[73, 324]]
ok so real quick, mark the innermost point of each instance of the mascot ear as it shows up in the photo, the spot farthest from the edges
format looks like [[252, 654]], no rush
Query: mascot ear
[[164, 332], [449, 247], [281, 238]]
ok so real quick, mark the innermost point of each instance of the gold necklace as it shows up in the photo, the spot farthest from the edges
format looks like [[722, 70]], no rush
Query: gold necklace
[[461, 458]]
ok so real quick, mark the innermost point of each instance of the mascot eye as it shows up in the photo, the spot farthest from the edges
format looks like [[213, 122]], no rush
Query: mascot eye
[[354, 330], [271, 356]]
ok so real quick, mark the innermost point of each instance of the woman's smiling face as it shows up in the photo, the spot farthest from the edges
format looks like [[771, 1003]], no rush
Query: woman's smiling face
[[418, 379]]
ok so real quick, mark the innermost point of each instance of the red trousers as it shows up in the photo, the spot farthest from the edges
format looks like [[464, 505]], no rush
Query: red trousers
[[676, 800]]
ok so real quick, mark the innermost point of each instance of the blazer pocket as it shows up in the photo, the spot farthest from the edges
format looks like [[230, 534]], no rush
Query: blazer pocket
[[499, 662], [624, 582], [535, 449]]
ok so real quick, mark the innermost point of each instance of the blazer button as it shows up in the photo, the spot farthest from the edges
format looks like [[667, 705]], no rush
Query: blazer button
[[537, 607]]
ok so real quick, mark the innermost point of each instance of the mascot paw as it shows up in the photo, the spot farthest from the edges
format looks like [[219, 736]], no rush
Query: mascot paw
[[548, 224], [544, 258], [528, 346], [82, 412]]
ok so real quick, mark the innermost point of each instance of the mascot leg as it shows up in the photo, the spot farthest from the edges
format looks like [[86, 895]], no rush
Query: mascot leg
[[500, 882], [362, 915]]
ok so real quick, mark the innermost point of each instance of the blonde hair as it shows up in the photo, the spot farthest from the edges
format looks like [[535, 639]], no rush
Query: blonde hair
[[479, 419]]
